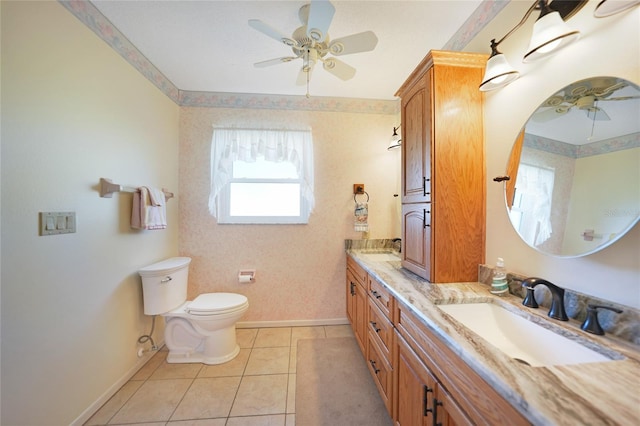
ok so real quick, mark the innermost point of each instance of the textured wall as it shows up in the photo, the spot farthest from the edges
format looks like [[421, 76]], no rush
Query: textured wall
[[300, 268]]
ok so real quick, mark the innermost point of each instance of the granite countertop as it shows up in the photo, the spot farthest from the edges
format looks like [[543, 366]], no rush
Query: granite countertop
[[580, 394]]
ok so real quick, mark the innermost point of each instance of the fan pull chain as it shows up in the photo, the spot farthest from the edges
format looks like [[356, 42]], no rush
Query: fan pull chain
[[593, 122], [308, 95]]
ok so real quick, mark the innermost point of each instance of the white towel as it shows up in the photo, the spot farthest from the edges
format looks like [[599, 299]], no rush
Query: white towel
[[149, 211]]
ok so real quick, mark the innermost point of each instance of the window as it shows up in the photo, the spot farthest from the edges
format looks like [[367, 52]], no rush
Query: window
[[261, 176], [531, 211]]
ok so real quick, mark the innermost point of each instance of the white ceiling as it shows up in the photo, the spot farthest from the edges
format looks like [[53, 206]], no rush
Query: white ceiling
[[208, 45]]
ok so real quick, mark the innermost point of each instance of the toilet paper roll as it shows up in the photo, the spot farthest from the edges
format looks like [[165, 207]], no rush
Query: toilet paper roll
[[245, 278]]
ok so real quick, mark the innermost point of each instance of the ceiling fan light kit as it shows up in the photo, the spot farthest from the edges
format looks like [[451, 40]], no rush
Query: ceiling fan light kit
[[311, 43]]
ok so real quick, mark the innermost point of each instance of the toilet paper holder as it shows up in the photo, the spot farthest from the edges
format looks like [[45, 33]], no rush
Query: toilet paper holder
[[246, 275]]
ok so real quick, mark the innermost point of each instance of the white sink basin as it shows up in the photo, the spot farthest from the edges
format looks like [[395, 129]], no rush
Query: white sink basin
[[379, 257], [523, 340]]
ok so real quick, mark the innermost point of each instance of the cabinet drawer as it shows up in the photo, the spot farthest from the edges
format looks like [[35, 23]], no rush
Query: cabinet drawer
[[382, 373], [358, 271], [381, 297], [380, 329], [480, 401]]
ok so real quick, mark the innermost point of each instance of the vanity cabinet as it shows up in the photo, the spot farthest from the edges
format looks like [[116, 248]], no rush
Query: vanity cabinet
[[380, 339], [443, 167], [421, 399], [357, 301], [432, 381]]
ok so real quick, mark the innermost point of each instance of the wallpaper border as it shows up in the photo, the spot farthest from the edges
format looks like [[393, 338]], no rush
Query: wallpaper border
[[90, 16]]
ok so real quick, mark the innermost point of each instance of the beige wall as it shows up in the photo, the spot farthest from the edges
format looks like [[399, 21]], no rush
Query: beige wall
[[300, 268], [74, 111], [608, 46]]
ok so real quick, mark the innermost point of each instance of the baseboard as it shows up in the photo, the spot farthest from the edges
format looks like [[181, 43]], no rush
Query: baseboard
[[93, 408], [292, 323]]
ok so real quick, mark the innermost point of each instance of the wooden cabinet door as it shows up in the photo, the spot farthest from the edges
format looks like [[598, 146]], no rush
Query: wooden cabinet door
[[357, 308], [416, 143], [416, 239], [360, 317], [512, 170], [448, 412], [415, 388], [351, 293]]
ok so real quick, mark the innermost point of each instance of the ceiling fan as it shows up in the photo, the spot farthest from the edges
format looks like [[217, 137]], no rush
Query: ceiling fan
[[311, 43], [585, 95]]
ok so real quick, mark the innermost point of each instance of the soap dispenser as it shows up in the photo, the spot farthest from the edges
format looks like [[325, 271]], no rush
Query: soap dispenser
[[499, 284]]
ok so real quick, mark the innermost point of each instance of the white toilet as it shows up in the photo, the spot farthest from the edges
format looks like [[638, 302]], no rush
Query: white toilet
[[202, 330]]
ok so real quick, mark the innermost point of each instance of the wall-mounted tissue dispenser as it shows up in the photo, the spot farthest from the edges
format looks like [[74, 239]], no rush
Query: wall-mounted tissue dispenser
[[247, 275]]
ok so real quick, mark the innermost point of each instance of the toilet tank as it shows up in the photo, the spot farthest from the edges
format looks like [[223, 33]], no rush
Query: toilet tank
[[164, 285]]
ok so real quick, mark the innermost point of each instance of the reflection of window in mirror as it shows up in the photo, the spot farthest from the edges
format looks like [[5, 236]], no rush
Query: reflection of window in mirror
[[531, 210]]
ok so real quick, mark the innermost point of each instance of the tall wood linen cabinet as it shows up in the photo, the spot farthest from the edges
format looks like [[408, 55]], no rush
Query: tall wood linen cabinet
[[443, 167]]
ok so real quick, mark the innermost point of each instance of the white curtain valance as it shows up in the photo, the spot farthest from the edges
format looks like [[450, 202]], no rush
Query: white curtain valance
[[230, 144]]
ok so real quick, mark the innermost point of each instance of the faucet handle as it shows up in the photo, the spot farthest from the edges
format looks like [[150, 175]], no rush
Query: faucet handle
[[591, 323], [530, 298]]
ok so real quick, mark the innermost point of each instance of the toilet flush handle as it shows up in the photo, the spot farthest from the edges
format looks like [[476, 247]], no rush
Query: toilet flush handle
[[166, 280]]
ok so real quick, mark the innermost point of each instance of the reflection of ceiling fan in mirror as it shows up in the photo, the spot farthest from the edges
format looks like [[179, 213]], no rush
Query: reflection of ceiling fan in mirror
[[311, 43], [585, 96]]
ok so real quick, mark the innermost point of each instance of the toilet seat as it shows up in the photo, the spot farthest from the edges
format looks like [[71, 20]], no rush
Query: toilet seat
[[212, 304]]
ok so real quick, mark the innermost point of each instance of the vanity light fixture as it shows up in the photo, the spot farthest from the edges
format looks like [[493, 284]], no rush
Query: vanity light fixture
[[611, 7], [395, 141], [550, 33]]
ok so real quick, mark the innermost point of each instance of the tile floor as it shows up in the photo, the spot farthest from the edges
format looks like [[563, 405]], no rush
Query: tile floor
[[257, 388]]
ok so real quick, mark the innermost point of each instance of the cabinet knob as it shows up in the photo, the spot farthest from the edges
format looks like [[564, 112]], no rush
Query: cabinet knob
[[375, 326], [373, 365]]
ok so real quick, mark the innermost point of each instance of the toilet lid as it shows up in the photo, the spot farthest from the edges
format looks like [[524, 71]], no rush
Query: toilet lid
[[216, 303]]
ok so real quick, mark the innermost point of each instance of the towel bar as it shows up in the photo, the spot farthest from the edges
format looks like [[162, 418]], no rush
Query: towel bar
[[107, 188]]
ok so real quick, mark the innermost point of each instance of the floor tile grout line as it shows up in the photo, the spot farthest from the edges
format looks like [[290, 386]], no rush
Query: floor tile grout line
[[193, 380]]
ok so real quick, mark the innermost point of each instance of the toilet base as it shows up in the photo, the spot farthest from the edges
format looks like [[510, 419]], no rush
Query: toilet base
[[199, 357], [189, 343]]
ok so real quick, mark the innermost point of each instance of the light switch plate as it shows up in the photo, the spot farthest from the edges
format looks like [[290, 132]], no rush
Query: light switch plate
[[54, 223]]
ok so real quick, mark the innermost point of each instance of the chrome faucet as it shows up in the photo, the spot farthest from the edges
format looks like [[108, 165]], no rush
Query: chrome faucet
[[557, 297]]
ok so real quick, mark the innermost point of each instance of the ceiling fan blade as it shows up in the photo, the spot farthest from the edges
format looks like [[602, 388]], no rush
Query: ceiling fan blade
[[550, 114], [275, 61], [355, 43], [339, 68], [597, 114], [271, 32], [621, 98], [320, 16]]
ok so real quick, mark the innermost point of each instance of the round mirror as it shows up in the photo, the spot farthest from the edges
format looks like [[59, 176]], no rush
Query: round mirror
[[574, 170]]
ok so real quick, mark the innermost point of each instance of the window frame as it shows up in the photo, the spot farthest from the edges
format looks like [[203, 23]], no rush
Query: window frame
[[224, 205]]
